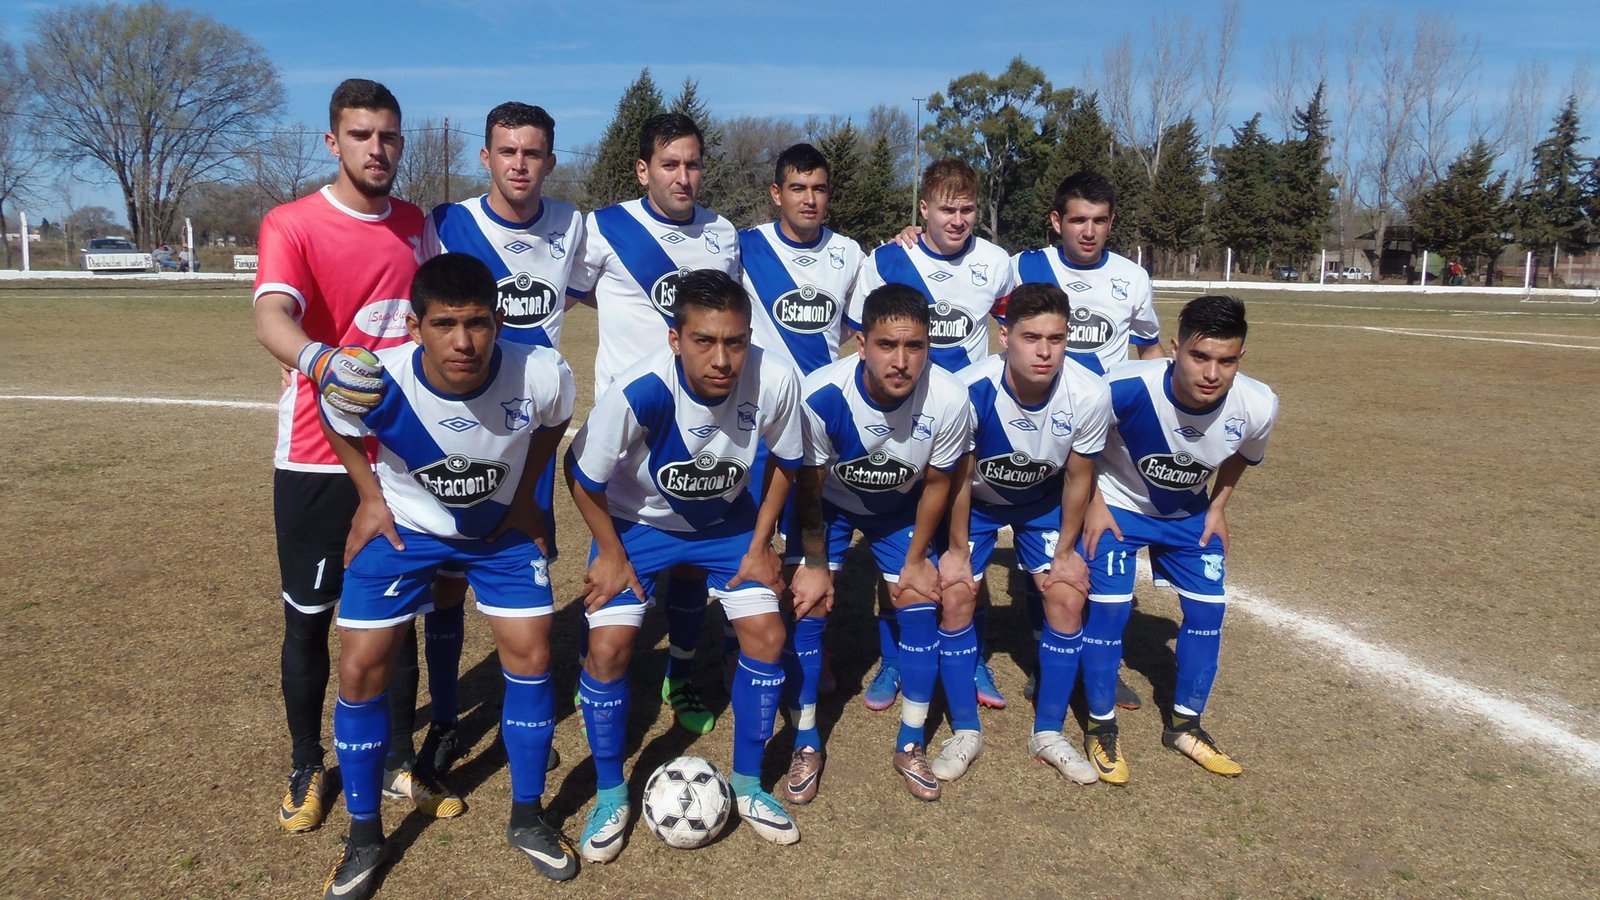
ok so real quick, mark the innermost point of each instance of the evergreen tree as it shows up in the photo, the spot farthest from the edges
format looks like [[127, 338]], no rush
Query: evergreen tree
[[611, 177], [1306, 200], [718, 184], [879, 209], [1247, 196], [1173, 218], [1127, 176], [1463, 215], [844, 164], [1549, 211]]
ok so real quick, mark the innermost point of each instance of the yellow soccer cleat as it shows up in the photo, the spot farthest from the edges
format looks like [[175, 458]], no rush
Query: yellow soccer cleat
[[1196, 744], [1103, 748], [430, 797], [305, 803]]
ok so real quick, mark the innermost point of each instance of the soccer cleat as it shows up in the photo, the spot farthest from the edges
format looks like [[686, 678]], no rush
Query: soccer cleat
[[988, 693], [603, 836], [552, 855], [912, 764], [1196, 744], [1100, 744], [1053, 749], [883, 688], [441, 747], [763, 813], [805, 776], [305, 803], [957, 754], [691, 713], [354, 876], [1127, 697], [416, 784]]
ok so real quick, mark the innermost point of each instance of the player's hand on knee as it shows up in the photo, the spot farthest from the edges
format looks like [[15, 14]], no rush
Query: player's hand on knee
[[349, 378], [920, 578], [1216, 524], [761, 565], [812, 587], [1097, 520], [955, 571], [606, 578], [523, 515], [1069, 569], [372, 518]]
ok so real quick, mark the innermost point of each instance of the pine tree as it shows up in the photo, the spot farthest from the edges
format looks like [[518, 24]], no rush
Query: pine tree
[[611, 177], [1247, 195], [1463, 215], [879, 207], [717, 184], [1306, 187], [1550, 209], [1174, 213]]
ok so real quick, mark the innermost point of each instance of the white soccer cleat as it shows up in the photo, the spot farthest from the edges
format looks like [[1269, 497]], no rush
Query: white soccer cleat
[[1053, 749], [957, 754], [768, 817]]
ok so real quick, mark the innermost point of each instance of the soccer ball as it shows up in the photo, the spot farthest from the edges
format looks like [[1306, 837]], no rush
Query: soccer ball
[[686, 802]]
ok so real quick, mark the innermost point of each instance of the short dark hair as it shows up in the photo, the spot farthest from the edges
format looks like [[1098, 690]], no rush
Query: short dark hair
[[1036, 299], [893, 301], [948, 177], [800, 158], [664, 128], [359, 93], [1218, 316], [711, 290], [1085, 185], [453, 279], [512, 115]]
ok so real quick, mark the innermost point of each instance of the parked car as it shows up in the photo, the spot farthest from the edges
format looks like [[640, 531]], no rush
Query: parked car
[[1355, 273], [1285, 273], [110, 245], [114, 254]]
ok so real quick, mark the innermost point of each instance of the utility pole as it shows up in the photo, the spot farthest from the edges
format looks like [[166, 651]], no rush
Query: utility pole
[[916, 146], [447, 159]]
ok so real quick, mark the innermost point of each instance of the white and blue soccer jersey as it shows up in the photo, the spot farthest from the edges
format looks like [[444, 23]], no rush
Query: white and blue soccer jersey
[[1113, 304], [961, 289], [532, 261], [633, 258], [672, 461], [798, 293], [450, 464], [874, 457], [1160, 457], [1020, 451]]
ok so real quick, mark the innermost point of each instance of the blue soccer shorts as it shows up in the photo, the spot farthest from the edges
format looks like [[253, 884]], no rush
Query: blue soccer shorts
[[1195, 572], [717, 550], [1034, 532], [385, 586]]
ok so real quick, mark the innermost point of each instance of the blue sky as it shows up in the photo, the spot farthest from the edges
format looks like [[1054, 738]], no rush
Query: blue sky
[[457, 58]]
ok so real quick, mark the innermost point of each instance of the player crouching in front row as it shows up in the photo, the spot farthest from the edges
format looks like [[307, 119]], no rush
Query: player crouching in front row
[[465, 426]]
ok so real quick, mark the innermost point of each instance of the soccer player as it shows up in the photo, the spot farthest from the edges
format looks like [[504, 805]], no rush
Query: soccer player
[[464, 428], [531, 244], [661, 473], [335, 269], [962, 276], [635, 255], [1176, 424], [885, 434], [1113, 309], [1038, 425]]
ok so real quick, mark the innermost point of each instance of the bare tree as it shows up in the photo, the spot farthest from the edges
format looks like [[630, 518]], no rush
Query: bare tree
[[1443, 65], [1388, 150], [20, 158], [1293, 72], [287, 164], [1517, 127], [1219, 76], [1343, 150], [432, 154], [1145, 97]]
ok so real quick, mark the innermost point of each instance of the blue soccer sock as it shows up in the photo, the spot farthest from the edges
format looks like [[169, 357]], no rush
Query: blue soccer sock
[[958, 660], [685, 608], [361, 740], [744, 785], [605, 715], [1102, 654], [889, 639], [919, 668], [1058, 673], [1033, 599], [803, 671], [757, 691], [445, 632], [528, 725], [1199, 648]]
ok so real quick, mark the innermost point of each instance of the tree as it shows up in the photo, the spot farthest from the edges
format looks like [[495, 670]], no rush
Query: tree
[[1463, 215], [1073, 137], [19, 156], [92, 221], [163, 97], [1174, 216], [1247, 195], [611, 177], [1306, 198], [1549, 210], [866, 201], [287, 164], [433, 154], [744, 166]]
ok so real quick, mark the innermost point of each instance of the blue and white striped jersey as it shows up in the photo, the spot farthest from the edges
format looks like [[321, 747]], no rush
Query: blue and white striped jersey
[[798, 293], [672, 461], [1112, 303], [961, 289], [1020, 451], [633, 258], [531, 261], [875, 457], [449, 464], [1160, 457]]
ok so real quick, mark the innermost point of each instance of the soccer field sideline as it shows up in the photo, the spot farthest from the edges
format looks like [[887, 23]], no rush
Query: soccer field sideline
[[1424, 689]]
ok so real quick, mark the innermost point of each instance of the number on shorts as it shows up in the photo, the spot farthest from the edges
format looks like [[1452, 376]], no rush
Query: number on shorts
[[1117, 562], [321, 564]]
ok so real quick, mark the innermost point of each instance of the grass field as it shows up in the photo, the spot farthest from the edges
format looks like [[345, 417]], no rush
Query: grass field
[[1408, 675]]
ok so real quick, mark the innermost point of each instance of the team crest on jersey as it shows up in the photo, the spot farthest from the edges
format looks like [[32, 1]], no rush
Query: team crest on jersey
[[875, 472], [940, 276], [1089, 330], [804, 260], [664, 293], [948, 326], [980, 273], [746, 414], [1023, 425], [703, 431], [705, 477], [836, 257], [1213, 564], [1015, 470], [518, 246], [805, 310], [1060, 423], [922, 427], [712, 243], [880, 429], [1174, 471], [460, 481], [1234, 428], [558, 244], [528, 301], [1190, 432], [1077, 287], [519, 413], [458, 424], [1119, 288]]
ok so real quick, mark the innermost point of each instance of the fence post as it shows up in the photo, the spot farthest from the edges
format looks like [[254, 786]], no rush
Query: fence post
[[22, 223], [188, 241], [1527, 272], [1322, 272], [1227, 271], [1424, 268]]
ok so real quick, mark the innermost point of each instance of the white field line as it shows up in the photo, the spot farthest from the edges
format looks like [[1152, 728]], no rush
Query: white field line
[[1543, 314], [1436, 334], [1421, 687]]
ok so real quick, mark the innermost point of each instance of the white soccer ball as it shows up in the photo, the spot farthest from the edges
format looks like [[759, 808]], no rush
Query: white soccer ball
[[686, 802]]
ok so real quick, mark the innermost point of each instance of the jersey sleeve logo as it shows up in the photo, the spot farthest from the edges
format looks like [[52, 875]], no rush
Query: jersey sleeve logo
[[1174, 471], [1060, 423], [519, 413], [558, 246], [980, 273], [664, 293], [528, 301], [875, 472], [1119, 288], [1089, 330], [1015, 470], [460, 481], [948, 326], [805, 310], [706, 477]]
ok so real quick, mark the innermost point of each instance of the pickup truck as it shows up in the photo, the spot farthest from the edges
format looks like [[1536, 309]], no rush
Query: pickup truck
[[1355, 273]]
